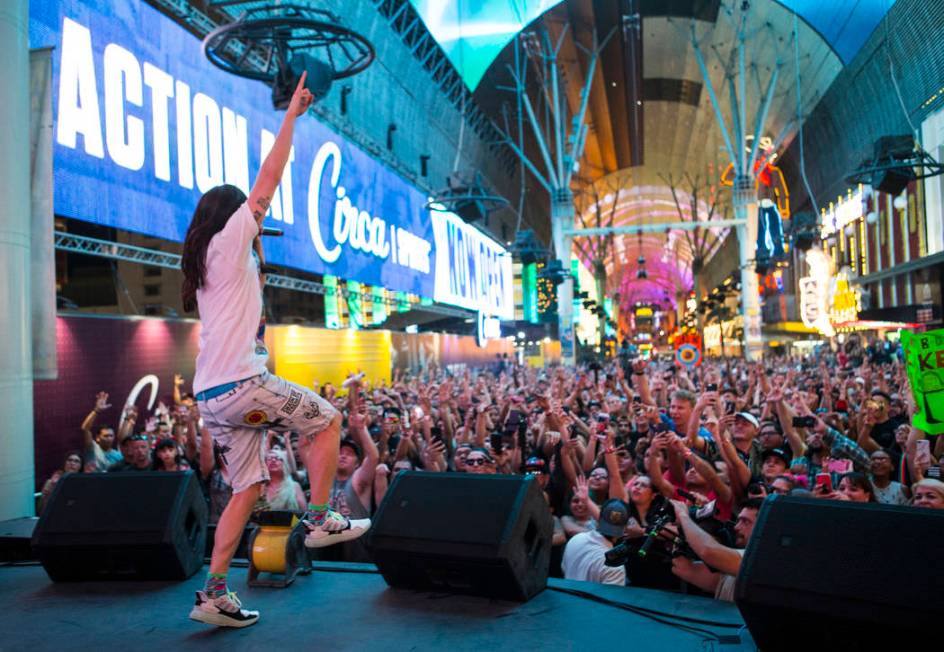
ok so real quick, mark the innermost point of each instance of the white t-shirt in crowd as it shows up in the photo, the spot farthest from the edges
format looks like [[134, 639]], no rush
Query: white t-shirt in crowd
[[583, 560], [893, 494], [230, 307], [725, 589], [101, 459]]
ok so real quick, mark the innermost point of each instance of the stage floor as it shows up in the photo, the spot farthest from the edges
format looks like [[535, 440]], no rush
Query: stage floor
[[337, 609]]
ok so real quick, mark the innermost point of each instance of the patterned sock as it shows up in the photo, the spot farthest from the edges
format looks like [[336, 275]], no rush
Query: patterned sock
[[317, 513], [215, 585]]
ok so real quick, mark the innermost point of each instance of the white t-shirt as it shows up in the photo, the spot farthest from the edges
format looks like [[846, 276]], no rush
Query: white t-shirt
[[893, 494], [725, 589], [583, 560], [230, 307], [102, 459]]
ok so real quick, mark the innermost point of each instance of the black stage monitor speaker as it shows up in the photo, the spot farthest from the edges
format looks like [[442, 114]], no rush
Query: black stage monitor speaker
[[116, 526], [464, 533], [841, 576]]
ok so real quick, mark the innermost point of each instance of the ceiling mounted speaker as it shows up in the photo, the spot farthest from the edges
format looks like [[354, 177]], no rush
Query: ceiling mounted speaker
[[318, 81]]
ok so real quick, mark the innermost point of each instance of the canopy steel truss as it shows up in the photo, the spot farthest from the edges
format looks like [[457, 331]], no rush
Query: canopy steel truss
[[132, 254]]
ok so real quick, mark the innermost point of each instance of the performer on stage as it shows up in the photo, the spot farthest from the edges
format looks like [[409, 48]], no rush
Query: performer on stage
[[238, 398]]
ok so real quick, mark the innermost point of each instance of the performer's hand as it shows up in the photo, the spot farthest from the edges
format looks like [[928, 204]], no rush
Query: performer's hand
[[301, 98]]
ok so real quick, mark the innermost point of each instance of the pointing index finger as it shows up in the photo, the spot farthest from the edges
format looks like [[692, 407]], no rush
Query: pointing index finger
[[301, 81]]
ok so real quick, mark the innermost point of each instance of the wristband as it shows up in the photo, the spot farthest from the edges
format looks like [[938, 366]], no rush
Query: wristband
[[609, 451], [639, 373]]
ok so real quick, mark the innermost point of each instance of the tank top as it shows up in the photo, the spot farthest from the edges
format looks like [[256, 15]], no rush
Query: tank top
[[345, 501]]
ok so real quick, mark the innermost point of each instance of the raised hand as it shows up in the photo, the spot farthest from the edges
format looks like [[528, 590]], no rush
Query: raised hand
[[101, 402], [356, 419], [437, 449], [301, 98], [178, 380], [581, 489], [709, 398]]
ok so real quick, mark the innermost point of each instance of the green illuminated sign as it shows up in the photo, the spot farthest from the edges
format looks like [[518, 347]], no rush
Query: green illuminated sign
[[529, 293], [354, 308], [924, 362], [332, 315]]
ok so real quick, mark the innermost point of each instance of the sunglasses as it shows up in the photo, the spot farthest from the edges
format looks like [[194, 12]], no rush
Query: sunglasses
[[476, 461]]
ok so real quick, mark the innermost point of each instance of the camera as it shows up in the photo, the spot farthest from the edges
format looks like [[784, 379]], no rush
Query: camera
[[660, 543], [669, 544]]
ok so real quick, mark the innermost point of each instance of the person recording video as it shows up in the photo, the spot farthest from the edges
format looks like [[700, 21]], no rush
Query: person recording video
[[719, 565]]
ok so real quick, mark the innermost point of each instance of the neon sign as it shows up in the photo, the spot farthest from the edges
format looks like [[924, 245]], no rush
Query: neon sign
[[842, 213], [846, 301], [814, 293]]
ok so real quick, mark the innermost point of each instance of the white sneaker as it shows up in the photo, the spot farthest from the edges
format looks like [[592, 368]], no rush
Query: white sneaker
[[335, 529], [223, 611]]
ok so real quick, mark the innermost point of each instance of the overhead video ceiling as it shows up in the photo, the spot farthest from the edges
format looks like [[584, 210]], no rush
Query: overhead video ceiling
[[678, 129], [474, 32]]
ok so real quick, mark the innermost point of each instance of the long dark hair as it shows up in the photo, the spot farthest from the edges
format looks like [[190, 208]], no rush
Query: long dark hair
[[212, 212], [861, 481]]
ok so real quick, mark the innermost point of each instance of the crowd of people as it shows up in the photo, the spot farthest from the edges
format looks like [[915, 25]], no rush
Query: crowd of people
[[615, 447]]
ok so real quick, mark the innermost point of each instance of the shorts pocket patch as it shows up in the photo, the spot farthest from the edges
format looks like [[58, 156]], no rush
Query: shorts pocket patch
[[255, 418], [294, 400]]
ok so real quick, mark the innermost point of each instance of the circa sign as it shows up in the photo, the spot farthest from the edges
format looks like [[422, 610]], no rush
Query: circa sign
[[144, 125]]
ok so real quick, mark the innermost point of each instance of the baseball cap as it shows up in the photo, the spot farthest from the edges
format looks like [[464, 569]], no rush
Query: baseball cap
[[778, 453], [614, 515], [353, 445], [750, 418]]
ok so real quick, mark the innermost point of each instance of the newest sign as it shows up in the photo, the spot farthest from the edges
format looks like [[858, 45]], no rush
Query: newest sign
[[145, 125]]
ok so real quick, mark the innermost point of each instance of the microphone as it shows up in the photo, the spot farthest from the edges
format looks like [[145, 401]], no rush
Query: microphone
[[268, 230]]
